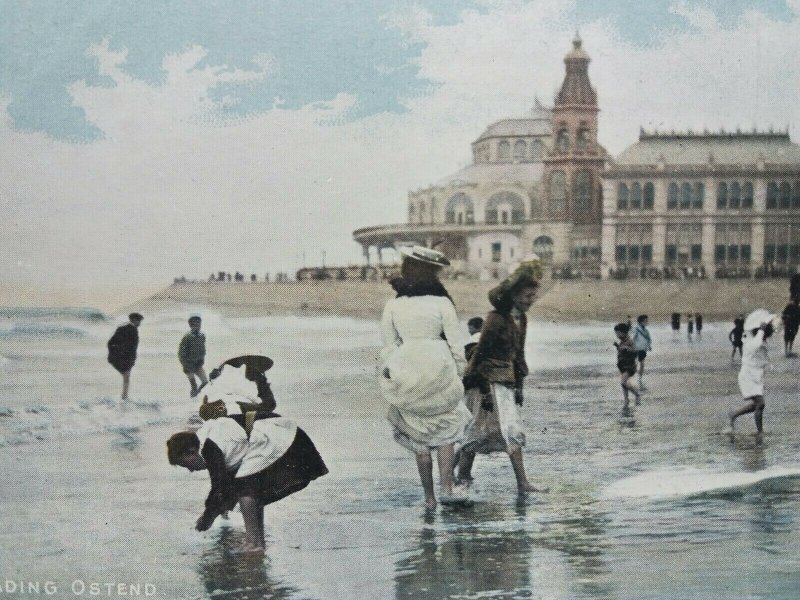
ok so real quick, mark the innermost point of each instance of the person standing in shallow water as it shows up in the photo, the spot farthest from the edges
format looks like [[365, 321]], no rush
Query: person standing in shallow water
[[420, 375], [192, 354], [642, 344], [689, 326], [626, 362], [497, 369], [735, 336], [758, 327], [122, 349]]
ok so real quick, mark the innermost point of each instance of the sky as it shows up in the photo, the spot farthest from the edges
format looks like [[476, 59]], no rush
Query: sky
[[142, 141]]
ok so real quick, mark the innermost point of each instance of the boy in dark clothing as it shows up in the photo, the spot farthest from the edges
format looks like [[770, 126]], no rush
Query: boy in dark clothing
[[626, 362], [122, 349], [474, 326], [735, 336], [791, 323], [192, 354]]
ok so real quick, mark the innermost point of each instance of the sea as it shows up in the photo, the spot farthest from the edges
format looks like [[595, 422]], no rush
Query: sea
[[653, 503]]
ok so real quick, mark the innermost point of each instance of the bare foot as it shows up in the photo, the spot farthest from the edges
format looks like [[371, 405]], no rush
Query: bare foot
[[248, 548], [528, 487], [430, 503]]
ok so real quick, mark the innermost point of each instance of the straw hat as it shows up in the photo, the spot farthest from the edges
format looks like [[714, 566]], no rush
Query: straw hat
[[426, 255]]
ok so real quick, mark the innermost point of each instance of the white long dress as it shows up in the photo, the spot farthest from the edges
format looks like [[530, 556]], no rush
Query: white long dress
[[754, 361], [424, 385]]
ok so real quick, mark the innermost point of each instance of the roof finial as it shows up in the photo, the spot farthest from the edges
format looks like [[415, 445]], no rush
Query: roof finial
[[576, 43]]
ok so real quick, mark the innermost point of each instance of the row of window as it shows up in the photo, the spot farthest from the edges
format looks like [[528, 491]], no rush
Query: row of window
[[583, 138], [581, 191], [523, 151], [688, 196]]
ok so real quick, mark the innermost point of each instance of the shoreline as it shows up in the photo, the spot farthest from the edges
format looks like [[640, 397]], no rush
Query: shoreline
[[571, 301]]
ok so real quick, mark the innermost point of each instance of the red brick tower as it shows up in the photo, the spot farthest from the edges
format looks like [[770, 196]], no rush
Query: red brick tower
[[572, 169]]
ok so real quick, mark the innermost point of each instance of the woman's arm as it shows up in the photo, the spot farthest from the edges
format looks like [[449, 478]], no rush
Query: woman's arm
[[391, 339], [222, 496], [454, 335]]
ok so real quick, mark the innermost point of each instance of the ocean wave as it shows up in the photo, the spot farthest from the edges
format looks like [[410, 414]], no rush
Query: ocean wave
[[27, 312], [41, 330]]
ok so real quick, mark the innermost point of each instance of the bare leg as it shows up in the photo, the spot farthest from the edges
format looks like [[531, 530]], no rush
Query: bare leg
[[465, 466], [253, 513], [202, 375], [628, 387], [523, 485], [126, 382], [192, 383], [425, 468], [445, 457], [747, 408], [758, 413], [641, 374]]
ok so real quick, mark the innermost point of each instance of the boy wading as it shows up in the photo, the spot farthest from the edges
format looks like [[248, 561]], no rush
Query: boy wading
[[192, 354]]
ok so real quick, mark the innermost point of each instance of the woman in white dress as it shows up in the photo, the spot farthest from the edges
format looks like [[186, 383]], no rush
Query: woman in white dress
[[423, 362]]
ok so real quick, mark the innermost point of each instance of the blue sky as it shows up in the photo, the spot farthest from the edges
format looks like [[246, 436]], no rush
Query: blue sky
[[316, 49], [140, 141]]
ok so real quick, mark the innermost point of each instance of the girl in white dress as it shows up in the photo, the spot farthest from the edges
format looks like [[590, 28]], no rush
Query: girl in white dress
[[759, 328], [423, 362]]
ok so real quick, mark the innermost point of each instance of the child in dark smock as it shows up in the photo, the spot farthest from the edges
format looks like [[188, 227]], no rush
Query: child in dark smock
[[275, 460], [626, 362]]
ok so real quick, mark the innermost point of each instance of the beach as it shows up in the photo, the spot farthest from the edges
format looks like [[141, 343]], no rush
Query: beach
[[573, 300], [657, 504]]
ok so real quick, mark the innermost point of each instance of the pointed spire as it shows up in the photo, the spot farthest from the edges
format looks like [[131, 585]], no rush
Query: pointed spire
[[577, 41]]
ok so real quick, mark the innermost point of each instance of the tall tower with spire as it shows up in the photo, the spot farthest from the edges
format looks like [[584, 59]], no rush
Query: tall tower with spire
[[572, 169]]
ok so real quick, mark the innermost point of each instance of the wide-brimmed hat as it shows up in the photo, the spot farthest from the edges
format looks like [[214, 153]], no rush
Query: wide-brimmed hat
[[426, 255], [757, 318]]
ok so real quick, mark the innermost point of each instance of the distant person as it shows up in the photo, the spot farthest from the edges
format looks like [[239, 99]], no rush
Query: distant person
[[122, 349], [676, 324], [791, 323], [642, 344], [735, 336], [497, 368], [192, 354], [758, 329], [689, 326], [474, 326], [698, 324], [626, 362]]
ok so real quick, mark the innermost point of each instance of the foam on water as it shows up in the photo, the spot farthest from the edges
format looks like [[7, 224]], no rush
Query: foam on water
[[690, 481]]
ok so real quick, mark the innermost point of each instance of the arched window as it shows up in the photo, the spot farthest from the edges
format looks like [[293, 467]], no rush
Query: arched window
[[686, 195], [672, 196], [459, 209], [499, 205], [622, 196], [649, 195], [747, 195], [558, 191], [786, 195], [636, 195], [722, 195], [543, 247], [699, 195], [772, 195], [735, 200], [520, 150], [562, 140], [583, 191], [584, 137], [504, 151], [537, 150]]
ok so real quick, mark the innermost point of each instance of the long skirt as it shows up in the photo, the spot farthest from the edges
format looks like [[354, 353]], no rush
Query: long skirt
[[496, 430], [292, 472]]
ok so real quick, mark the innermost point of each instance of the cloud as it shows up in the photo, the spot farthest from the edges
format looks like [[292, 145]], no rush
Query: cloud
[[178, 184]]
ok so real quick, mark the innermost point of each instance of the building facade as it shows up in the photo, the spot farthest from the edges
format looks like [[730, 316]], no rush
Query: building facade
[[682, 205]]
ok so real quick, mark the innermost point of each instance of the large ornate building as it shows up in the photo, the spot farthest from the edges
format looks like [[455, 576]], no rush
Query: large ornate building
[[671, 205]]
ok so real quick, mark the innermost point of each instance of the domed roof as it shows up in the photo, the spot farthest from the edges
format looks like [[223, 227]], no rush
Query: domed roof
[[536, 122]]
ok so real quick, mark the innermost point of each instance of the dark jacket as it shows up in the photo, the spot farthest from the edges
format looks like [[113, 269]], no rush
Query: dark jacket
[[122, 347], [499, 356], [192, 349]]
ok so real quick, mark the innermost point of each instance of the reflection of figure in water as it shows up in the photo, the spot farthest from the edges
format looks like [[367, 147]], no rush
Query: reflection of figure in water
[[735, 336], [497, 370], [642, 344], [227, 573], [456, 563], [423, 360], [255, 458], [192, 354], [758, 326], [122, 349], [689, 326], [626, 362], [676, 324]]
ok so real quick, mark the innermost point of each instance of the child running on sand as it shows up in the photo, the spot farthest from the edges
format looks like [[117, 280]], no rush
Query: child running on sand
[[759, 328], [255, 459], [626, 362]]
